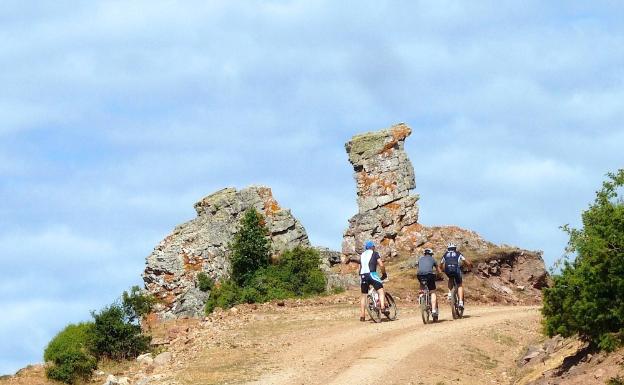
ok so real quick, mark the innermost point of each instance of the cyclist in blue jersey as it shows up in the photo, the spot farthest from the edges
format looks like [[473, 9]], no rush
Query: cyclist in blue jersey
[[368, 261], [451, 263]]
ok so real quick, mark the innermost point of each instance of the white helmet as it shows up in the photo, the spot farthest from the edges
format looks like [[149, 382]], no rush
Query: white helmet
[[451, 245]]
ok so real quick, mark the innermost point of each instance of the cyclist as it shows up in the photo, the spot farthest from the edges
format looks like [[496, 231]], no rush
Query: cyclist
[[451, 263], [368, 261], [427, 269]]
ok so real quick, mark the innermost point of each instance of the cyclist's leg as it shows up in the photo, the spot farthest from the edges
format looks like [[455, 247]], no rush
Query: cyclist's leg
[[378, 285], [364, 291], [460, 288], [434, 300]]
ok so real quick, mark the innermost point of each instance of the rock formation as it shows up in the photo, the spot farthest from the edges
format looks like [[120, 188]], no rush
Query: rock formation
[[388, 213], [201, 245]]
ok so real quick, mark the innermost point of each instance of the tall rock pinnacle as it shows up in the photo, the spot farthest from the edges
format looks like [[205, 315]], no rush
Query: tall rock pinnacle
[[388, 212]]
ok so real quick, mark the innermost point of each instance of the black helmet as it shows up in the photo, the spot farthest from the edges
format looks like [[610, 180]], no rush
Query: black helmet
[[428, 252]]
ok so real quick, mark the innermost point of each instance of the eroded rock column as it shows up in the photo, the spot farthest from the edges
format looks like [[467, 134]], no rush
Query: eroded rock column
[[387, 210]]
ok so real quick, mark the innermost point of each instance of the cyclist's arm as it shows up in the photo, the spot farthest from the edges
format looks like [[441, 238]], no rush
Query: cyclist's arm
[[466, 261], [382, 266], [438, 269], [355, 259]]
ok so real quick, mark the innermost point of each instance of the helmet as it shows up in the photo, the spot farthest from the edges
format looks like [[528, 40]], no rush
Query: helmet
[[428, 252], [451, 245], [369, 245]]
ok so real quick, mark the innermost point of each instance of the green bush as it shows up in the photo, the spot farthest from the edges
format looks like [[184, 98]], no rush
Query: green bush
[[250, 249], [115, 336], [204, 282], [71, 365], [68, 353], [224, 296], [75, 337], [296, 274], [587, 297], [136, 304]]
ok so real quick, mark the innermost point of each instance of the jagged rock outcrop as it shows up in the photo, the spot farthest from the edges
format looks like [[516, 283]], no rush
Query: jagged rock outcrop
[[388, 213], [201, 245]]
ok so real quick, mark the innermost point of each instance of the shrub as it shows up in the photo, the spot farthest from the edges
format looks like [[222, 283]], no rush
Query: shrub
[[71, 365], [296, 274], [115, 336], [250, 249], [588, 296], [68, 352], [224, 296], [136, 304], [74, 337], [204, 282]]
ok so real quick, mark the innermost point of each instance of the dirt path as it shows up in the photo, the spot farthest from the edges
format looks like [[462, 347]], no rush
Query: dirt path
[[407, 351]]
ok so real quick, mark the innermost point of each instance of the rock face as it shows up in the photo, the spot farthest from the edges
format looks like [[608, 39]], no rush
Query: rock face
[[388, 213], [201, 245]]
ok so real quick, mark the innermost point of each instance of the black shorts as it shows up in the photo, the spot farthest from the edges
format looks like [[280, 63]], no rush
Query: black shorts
[[370, 279], [458, 277], [430, 280]]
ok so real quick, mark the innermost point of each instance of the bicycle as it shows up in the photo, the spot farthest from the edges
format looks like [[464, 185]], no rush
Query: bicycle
[[374, 306], [424, 299], [456, 310]]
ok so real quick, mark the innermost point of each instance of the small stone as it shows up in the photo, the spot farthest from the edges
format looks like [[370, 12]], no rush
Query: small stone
[[163, 359], [145, 359], [111, 380], [599, 373]]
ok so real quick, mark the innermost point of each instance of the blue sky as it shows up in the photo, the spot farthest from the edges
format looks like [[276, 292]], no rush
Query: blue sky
[[116, 116]]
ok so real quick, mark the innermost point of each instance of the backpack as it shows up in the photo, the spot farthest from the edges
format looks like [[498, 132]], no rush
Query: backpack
[[451, 262]]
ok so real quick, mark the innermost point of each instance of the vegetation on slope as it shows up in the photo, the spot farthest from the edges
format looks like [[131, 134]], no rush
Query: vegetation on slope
[[255, 279], [587, 297]]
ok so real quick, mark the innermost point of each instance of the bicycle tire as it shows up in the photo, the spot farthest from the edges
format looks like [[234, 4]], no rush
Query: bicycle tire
[[392, 308], [373, 310], [454, 303], [424, 311]]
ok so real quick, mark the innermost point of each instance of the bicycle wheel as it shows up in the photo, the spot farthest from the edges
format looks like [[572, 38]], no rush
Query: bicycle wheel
[[392, 308], [373, 310], [424, 311], [454, 303]]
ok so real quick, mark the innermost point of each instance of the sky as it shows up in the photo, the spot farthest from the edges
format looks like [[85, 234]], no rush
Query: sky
[[117, 116]]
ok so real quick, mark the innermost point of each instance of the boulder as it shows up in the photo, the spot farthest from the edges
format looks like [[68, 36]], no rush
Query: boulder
[[145, 359], [201, 245], [162, 359]]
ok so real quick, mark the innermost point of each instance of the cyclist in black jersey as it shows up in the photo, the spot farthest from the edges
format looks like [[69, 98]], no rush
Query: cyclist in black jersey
[[368, 261]]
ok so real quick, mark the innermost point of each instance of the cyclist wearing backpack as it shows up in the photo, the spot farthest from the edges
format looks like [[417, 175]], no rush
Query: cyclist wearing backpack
[[451, 262], [368, 261], [427, 269]]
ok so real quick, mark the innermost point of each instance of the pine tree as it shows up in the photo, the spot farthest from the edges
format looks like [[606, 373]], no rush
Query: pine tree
[[588, 296], [250, 248]]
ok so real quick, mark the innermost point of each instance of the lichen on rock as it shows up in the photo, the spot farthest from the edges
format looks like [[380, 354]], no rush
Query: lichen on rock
[[384, 177], [201, 245]]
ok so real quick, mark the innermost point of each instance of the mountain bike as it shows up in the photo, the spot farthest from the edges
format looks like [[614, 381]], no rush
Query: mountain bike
[[374, 306], [456, 310], [424, 299]]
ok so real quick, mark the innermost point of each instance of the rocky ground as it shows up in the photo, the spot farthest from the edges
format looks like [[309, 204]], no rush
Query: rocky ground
[[321, 341]]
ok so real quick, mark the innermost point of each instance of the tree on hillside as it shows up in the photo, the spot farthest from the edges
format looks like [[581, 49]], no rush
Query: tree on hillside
[[250, 247], [588, 296]]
